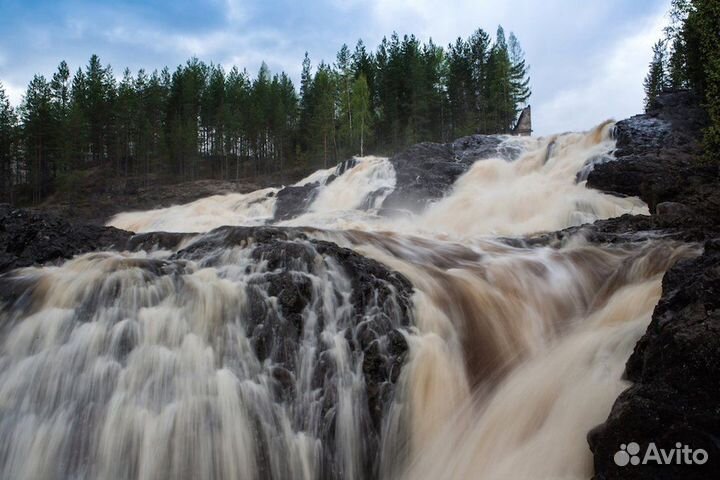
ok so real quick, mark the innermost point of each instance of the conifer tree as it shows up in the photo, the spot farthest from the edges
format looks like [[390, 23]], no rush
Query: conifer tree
[[8, 148], [655, 81]]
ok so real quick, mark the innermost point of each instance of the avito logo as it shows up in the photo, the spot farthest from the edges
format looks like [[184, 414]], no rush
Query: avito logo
[[680, 455]]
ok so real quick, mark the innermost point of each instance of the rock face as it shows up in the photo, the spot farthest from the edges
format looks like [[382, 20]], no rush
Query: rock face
[[293, 201], [425, 172], [675, 369], [676, 365], [658, 159], [28, 238]]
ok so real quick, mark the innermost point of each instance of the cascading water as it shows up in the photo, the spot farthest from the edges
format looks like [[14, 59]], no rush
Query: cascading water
[[297, 351]]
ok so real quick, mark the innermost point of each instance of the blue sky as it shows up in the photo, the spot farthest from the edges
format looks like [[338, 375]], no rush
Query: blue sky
[[587, 59]]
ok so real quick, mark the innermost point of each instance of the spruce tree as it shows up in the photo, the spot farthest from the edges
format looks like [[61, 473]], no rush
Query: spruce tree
[[655, 81], [8, 148], [37, 121], [519, 79]]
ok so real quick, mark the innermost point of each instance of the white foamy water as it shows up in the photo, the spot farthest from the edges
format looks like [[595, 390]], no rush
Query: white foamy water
[[186, 363], [537, 192]]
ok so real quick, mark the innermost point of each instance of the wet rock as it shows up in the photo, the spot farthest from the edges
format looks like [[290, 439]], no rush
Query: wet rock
[[674, 370], [672, 209], [341, 168], [293, 201], [659, 156], [675, 365], [28, 238], [157, 240], [281, 295], [425, 172]]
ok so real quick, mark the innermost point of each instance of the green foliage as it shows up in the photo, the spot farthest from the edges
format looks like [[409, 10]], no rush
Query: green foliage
[[8, 148], [656, 80], [200, 121]]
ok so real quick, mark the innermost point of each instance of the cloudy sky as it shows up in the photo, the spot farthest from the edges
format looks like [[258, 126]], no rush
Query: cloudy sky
[[587, 59]]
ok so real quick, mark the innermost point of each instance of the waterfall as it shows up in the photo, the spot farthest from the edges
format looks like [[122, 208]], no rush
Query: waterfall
[[347, 342]]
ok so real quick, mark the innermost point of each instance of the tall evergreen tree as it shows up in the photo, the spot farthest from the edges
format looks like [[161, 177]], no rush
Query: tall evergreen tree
[[344, 81], [37, 119], [61, 103], [655, 81], [8, 148], [323, 120], [519, 79], [478, 52], [501, 108]]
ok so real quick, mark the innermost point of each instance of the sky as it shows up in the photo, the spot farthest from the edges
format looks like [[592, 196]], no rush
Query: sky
[[587, 58]]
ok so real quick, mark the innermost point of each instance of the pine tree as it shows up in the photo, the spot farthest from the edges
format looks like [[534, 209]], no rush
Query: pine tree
[[344, 84], [478, 58], [500, 103], [8, 148], [60, 87], [519, 79], [37, 123], [323, 120], [100, 85], [306, 104], [461, 90], [237, 94], [655, 81]]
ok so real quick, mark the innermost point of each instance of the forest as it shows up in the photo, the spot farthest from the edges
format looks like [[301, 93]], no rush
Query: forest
[[202, 121]]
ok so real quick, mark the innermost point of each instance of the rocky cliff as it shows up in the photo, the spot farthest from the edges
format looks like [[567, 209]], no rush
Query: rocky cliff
[[674, 370]]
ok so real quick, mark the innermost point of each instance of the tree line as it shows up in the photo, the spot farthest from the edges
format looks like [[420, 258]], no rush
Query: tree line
[[688, 58], [201, 121]]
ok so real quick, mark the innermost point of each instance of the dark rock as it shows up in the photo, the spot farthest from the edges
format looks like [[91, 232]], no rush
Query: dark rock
[[28, 238], [282, 293], [675, 369], [676, 364], [293, 201], [157, 240], [672, 209], [658, 156], [426, 172]]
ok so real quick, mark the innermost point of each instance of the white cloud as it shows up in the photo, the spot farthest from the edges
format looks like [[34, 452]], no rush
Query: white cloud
[[612, 87], [235, 10], [13, 91]]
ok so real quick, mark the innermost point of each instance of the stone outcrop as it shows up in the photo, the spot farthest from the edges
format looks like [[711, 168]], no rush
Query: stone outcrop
[[28, 238], [675, 366], [425, 172]]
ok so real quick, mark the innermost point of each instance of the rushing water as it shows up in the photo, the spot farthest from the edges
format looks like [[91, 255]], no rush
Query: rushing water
[[177, 363]]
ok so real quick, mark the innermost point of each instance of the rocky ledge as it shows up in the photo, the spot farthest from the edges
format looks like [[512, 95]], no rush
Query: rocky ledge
[[28, 238], [674, 370]]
